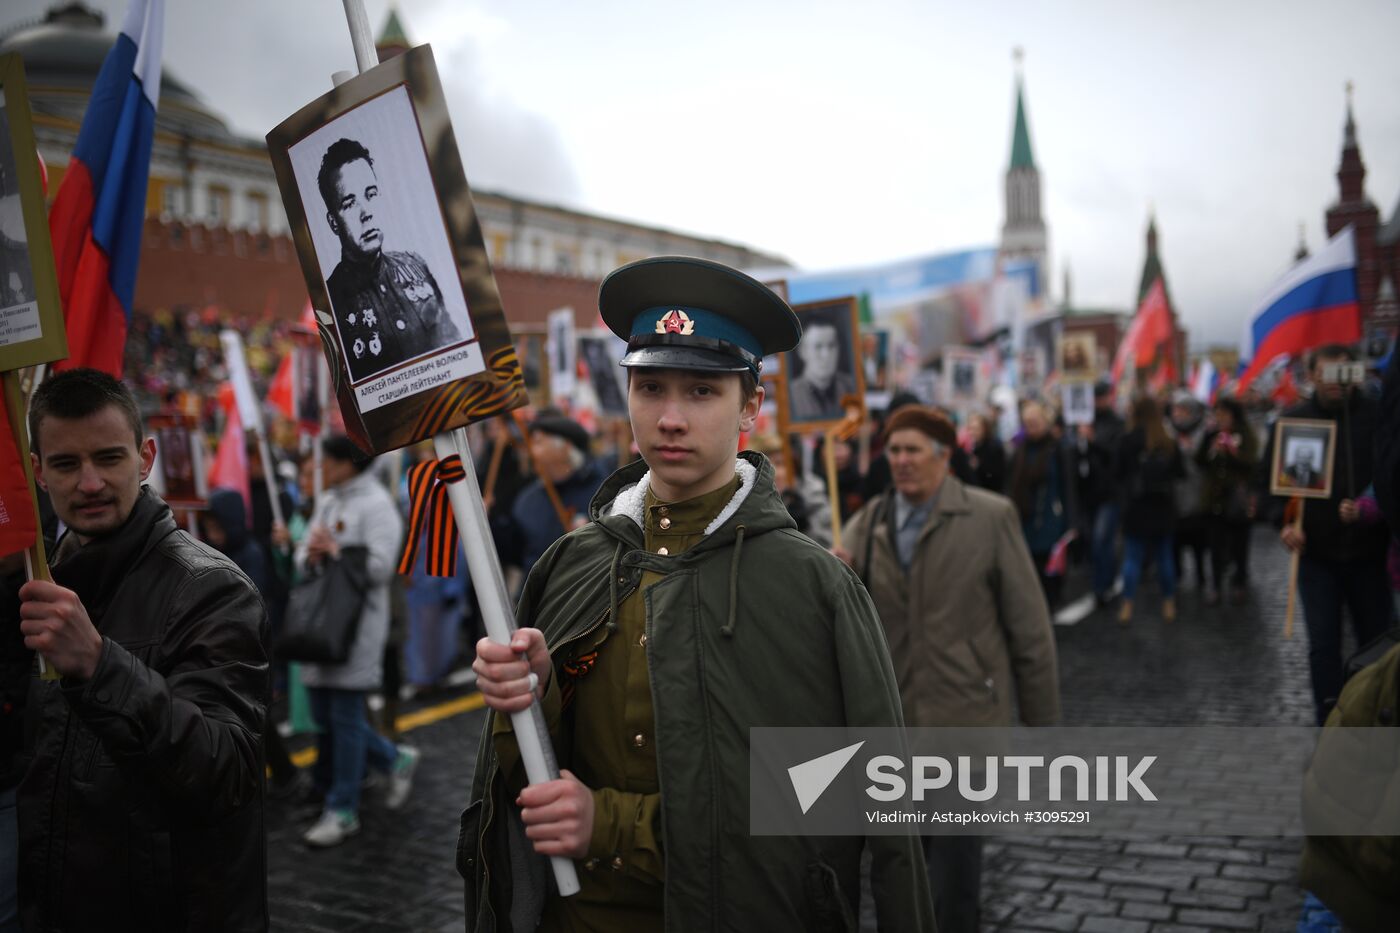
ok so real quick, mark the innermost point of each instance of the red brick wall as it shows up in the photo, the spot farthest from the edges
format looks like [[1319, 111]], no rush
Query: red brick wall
[[249, 274], [194, 265]]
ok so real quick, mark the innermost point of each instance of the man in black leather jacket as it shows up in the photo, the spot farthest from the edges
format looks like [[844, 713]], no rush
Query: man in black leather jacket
[[141, 804]]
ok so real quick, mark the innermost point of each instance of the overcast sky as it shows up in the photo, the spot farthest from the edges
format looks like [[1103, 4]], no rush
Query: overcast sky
[[842, 133]]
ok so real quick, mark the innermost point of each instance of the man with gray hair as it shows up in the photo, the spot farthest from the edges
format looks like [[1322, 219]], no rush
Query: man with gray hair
[[559, 449], [968, 629]]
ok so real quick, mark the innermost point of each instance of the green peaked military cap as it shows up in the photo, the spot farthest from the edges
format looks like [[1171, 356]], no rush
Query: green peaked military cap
[[678, 312]]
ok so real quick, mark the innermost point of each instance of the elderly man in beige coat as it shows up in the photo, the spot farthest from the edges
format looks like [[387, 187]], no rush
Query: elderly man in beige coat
[[968, 628]]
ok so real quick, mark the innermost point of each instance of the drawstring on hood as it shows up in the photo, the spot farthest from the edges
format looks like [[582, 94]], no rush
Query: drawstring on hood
[[727, 629], [612, 582]]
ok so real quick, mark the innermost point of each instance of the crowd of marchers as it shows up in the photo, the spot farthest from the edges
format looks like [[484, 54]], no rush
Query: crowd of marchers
[[155, 742]]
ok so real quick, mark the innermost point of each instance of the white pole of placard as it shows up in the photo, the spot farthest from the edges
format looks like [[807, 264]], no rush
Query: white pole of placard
[[250, 412], [531, 733]]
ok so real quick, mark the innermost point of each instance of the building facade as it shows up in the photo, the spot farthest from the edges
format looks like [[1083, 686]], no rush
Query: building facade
[[216, 233], [1024, 238], [1377, 244]]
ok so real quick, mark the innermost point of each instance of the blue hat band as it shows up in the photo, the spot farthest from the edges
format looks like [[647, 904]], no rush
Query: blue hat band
[[679, 321]]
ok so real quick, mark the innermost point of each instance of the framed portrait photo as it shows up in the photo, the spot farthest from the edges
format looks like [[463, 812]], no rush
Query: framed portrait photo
[[1031, 367], [602, 354], [822, 381], [309, 383], [1077, 401], [1305, 451], [534, 363], [391, 248], [1079, 356], [561, 347], [962, 378], [179, 471], [31, 317]]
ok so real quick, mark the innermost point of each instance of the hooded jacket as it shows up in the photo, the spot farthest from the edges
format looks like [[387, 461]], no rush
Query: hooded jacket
[[142, 806], [755, 625], [226, 507]]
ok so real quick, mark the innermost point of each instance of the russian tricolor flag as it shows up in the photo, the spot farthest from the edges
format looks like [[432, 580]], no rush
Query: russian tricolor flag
[[101, 205], [1206, 382], [1315, 303]]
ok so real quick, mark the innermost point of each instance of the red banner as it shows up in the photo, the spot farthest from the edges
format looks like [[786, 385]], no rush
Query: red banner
[[17, 527]]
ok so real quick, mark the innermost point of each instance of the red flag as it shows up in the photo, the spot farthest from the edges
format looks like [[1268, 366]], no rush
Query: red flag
[[17, 527], [280, 393], [308, 320], [1150, 329], [230, 467], [1286, 392]]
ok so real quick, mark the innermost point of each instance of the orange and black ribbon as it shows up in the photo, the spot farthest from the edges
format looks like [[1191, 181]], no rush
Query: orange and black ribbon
[[430, 510]]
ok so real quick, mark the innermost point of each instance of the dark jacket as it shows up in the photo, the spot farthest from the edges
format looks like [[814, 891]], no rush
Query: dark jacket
[[1101, 485], [142, 805], [1227, 472], [987, 464], [1386, 478], [1148, 479], [754, 590], [1327, 536], [535, 519], [226, 507], [1042, 487]]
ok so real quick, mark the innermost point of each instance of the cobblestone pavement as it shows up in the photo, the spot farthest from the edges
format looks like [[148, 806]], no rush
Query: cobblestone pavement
[[1219, 666]]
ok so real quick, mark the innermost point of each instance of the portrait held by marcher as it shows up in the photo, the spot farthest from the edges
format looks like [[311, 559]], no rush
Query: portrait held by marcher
[[823, 378]]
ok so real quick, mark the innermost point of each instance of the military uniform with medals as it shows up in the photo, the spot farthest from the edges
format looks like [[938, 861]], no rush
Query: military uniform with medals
[[389, 311]]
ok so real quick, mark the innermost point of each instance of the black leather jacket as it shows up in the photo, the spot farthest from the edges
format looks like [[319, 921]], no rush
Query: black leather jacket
[[142, 804]]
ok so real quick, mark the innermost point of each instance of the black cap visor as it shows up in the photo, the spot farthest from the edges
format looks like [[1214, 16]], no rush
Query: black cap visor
[[676, 357]]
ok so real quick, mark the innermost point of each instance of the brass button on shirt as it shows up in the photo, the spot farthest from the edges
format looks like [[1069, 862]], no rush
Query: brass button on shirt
[[612, 749]]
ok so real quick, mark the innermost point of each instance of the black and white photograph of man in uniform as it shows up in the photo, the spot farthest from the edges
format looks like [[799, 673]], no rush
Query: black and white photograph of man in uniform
[[383, 248]]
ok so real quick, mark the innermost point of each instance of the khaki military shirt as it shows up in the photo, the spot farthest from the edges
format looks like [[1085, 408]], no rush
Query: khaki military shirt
[[606, 731]]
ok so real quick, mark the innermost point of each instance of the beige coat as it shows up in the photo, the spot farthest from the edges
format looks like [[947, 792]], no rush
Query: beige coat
[[968, 624]]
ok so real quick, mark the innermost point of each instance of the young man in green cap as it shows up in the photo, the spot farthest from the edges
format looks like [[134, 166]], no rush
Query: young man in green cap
[[688, 611]]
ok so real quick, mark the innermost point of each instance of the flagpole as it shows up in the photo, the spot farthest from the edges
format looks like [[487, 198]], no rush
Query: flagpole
[[1293, 565], [36, 564], [531, 731]]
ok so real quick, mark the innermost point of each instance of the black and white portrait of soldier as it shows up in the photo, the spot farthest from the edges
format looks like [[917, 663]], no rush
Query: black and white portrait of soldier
[[376, 222], [387, 305], [823, 369], [604, 373], [1303, 463], [964, 378], [16, 276]]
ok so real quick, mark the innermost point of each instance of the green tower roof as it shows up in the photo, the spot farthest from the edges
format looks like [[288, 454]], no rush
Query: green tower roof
[[392, 33], [1021, 139]]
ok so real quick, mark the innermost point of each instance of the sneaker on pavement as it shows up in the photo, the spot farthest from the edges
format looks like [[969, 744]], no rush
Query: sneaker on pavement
[[333, 828], [401, 778]]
